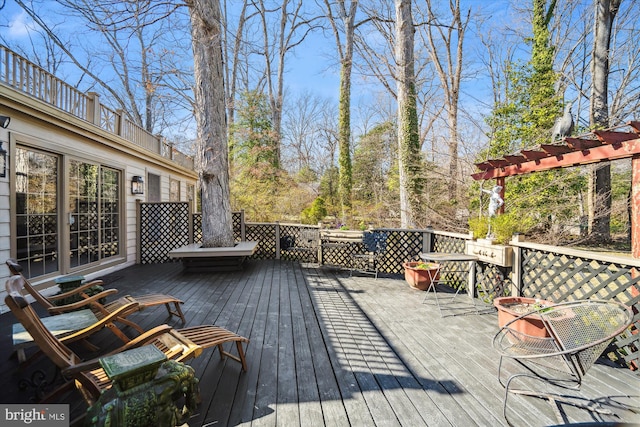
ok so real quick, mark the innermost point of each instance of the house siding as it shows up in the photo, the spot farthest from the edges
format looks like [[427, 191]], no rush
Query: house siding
[[36, 125]]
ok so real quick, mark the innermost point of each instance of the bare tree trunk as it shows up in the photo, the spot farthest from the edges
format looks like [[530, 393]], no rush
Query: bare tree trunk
[[345, 51], [212, 153], [600, 182], [408, 137], [448, 64]]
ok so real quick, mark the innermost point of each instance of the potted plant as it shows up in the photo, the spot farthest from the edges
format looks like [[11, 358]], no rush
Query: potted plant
[[511, 307], [420, 274]]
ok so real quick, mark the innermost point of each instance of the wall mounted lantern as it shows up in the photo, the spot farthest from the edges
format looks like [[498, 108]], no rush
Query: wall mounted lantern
[[4, 121], [3, 161], [137, 185]]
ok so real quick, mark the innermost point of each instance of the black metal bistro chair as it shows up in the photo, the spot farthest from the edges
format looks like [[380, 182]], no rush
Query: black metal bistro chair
[[375, 244]]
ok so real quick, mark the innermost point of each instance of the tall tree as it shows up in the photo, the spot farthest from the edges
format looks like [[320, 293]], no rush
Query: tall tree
[[543, 101], [212, 153], [445, 43], [347, 16], [279, 40], [599, 202], [234, 46], [408, 138]]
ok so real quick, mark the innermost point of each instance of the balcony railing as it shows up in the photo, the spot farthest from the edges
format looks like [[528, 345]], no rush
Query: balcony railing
[[27, 77]]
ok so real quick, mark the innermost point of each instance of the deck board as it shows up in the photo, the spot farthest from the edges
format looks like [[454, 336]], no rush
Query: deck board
[[330, 349]]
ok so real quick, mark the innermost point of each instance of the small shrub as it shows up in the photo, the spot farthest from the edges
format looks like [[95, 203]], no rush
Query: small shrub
[[503, 226], [314, 213]]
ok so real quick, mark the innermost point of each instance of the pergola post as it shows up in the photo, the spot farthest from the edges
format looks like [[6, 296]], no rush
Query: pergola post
[[635, 206]]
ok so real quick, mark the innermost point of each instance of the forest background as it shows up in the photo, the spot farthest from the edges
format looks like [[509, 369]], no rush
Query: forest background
[[491, 78]]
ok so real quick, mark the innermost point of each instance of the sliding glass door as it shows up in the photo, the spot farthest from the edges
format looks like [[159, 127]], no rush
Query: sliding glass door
[[93, 213]]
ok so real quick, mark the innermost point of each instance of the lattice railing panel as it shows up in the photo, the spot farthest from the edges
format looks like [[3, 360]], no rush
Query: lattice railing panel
[[559, 278], [340, 256], [492, 281], [402, 245], [448, 244], [236, 218], [163, 227], [197, 227], [265, 235]]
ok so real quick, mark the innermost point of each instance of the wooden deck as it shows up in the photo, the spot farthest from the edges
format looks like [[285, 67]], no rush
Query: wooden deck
[[329, 349]]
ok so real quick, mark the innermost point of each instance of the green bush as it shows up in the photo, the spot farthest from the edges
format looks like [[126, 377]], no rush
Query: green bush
[[503, 226], [479, 226], [314, 213]]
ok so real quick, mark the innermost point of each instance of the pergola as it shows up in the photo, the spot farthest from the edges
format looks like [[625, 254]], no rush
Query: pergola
[[616, 143]]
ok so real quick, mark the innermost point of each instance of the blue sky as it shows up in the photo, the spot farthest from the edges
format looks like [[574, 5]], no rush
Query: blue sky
[[313, 68]]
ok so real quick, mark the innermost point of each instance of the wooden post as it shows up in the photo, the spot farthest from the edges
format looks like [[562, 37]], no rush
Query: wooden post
[[138, 231], [427, 240], [635, 206], [635, 229], [190, 221], [93, 108], [243, 230], [277, 239], [516, 273]]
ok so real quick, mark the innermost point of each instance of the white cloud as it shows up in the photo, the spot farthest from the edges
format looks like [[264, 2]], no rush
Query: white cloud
[[19, 26]]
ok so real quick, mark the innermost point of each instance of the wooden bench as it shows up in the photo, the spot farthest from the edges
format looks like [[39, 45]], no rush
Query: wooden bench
[[195, 258], [337, 246]]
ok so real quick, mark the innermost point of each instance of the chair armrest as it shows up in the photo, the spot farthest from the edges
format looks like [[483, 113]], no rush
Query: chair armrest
[[73, 370], [143, 339], [89, 300], [172, 343], [80, 289]]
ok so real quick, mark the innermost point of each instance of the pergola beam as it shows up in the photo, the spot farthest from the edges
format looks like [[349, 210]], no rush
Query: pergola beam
[[611, 151]]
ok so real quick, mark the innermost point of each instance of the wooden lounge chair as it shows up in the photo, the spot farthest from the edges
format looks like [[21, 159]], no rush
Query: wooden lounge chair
[[143, 301], [204, 336], [88, 377], [177, 344]]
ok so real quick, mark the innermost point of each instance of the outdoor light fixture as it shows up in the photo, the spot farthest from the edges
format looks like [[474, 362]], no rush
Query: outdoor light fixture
[[137, 185], [4, 121], [3, 161]]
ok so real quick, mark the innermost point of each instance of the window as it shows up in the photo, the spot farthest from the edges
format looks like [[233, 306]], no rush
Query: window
[[153, 187], [174, 190]]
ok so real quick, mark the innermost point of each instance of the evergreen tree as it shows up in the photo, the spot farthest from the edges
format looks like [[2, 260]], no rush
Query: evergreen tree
[[525, 120]]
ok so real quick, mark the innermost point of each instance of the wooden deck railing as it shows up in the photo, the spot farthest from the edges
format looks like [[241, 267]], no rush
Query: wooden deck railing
[[22, 75]]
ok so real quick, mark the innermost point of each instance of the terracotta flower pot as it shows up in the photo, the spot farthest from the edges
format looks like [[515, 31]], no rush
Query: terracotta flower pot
[[511, 307], [420, 278]]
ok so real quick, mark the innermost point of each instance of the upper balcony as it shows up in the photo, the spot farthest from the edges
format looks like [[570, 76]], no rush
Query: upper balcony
[[22, 75]]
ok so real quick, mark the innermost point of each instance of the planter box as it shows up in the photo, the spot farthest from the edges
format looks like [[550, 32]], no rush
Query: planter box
[[511, 307], [420, 278], [488, 252]]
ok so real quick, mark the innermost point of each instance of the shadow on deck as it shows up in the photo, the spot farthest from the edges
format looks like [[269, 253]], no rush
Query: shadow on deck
[[329, 349]]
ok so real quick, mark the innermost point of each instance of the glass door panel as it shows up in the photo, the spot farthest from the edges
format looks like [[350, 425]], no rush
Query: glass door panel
[[94, 194], [37, 240]]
